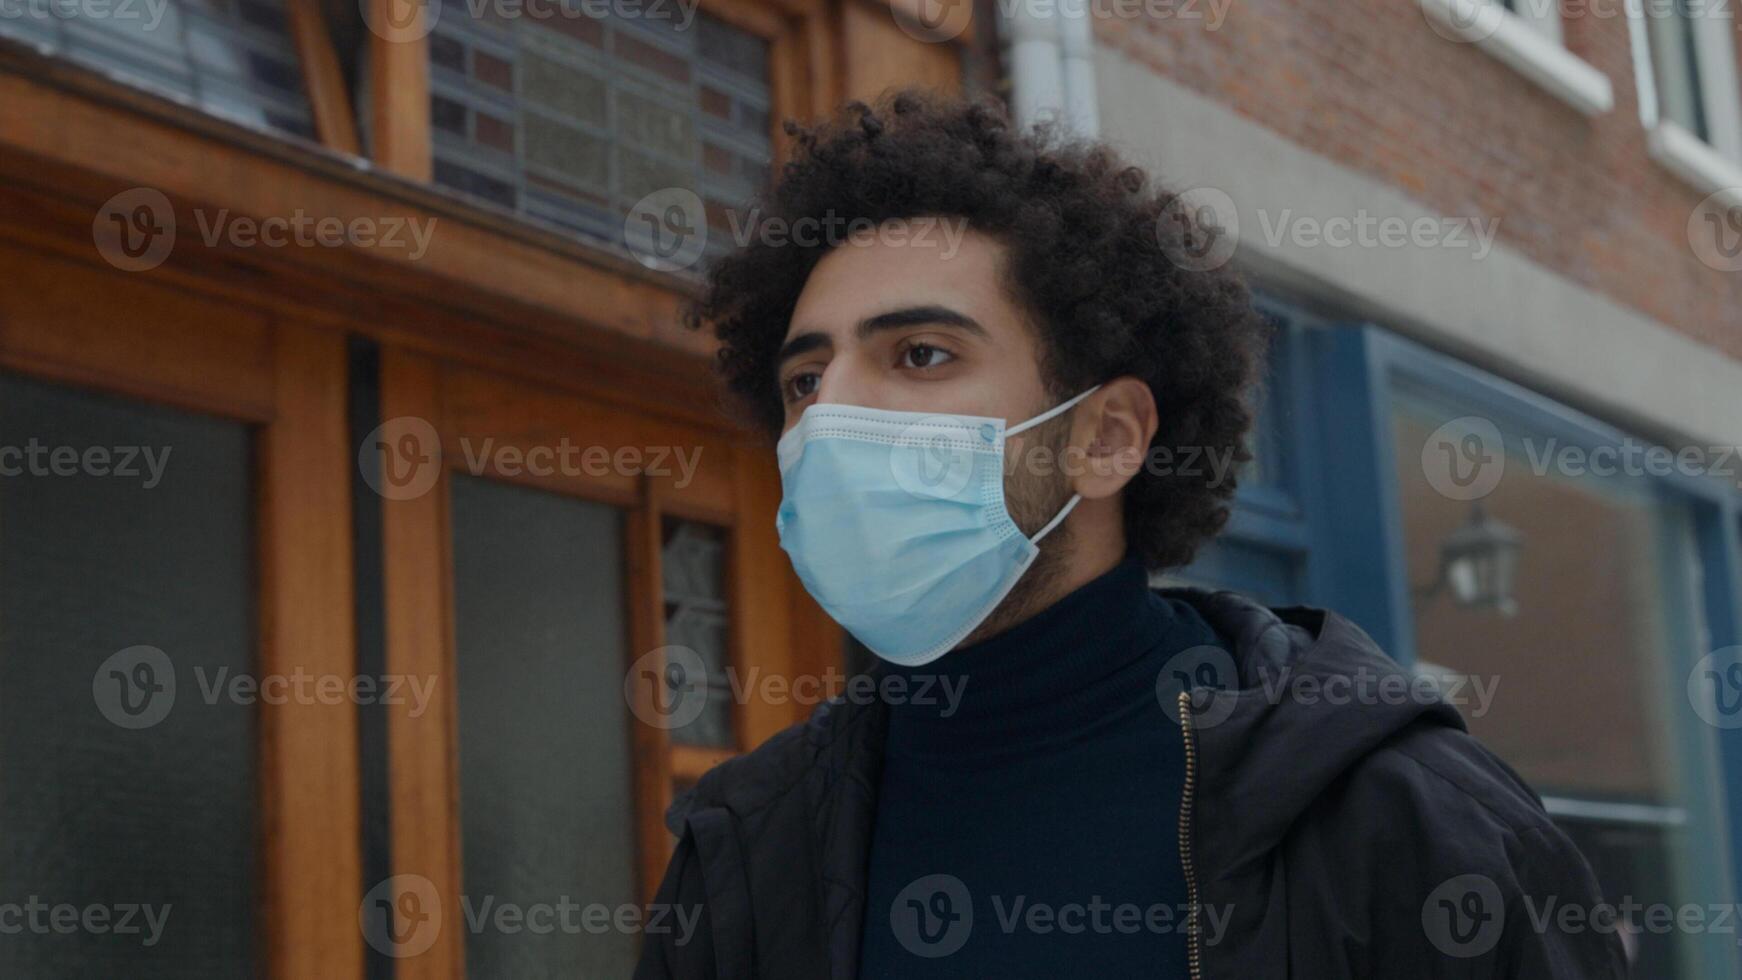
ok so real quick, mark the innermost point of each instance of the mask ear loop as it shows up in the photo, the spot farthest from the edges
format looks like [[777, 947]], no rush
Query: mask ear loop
[[1059, 518], [1051, 413], [1076, 498]]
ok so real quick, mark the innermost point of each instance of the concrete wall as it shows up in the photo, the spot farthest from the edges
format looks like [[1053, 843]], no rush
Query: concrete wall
[[1648, 337]]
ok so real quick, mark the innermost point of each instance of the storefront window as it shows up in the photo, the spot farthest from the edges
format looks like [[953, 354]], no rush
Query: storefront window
[[1557, 591], [544, 733], [123, 602]]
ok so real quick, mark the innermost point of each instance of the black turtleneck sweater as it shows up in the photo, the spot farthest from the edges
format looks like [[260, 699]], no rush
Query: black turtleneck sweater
[[1028, 809]]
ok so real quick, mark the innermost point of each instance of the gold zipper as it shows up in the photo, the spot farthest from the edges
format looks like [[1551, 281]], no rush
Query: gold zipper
[[1194, 950]]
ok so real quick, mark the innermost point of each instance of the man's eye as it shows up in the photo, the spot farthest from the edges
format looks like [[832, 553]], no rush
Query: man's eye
[[801, 386], [925, 356]]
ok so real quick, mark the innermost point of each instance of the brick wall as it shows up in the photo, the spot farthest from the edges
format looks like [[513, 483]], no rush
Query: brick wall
[[1368, 84]]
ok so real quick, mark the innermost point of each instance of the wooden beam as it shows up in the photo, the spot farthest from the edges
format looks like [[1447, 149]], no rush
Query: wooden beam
[[422, 750], [86, 323], [399, 130], [71, 134], [649, 742], [328, 97], [310, 805], [761, 623]]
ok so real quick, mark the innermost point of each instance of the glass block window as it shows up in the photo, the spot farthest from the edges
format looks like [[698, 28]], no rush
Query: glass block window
[[570, 119], [693, 566], [233, 58]]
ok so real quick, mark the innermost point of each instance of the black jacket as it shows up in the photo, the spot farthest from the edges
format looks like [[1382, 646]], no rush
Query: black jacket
[[1343, 829]]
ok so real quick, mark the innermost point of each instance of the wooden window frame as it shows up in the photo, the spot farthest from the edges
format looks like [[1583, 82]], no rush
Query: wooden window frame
[[465, 405], [89, 327]]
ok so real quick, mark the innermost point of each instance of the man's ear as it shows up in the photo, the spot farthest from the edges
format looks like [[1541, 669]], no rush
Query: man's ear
[[1110, 437]]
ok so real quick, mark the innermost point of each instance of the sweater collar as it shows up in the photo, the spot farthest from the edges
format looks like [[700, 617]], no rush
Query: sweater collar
[[1087, 660]]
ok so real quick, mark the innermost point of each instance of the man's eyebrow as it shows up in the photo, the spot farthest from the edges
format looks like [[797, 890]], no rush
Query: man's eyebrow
[[914, 316], [804, 343], [911, 316]]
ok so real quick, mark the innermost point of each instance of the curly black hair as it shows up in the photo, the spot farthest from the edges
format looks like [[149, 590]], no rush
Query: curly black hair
[[1093, 254]]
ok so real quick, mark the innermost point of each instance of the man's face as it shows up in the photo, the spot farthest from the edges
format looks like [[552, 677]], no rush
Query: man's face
[[902, 327]]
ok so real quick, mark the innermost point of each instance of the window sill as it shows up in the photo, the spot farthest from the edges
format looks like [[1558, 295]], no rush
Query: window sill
[[1695, 162], [1522, 48]]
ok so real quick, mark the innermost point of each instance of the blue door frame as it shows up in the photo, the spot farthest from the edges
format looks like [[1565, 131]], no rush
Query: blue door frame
[[1323, 526]]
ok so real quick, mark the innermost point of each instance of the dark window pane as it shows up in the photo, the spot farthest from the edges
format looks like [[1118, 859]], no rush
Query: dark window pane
[[445, 52], [754, 120], [122, 599], [447, 114], [476, 184], [725, 45], [545, 780], [693, 566]]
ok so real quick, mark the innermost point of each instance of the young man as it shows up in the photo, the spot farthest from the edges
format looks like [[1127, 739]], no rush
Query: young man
[[982, 398]]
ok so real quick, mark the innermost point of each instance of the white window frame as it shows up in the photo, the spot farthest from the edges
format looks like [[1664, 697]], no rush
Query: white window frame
[[1709, 166], [1528, 42], [1544, 16]]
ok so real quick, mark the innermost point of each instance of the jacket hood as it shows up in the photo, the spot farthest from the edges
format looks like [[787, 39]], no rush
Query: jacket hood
[[1315, 695]]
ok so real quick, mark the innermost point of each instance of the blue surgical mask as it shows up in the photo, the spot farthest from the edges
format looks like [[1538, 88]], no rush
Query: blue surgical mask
[[896, 524]]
